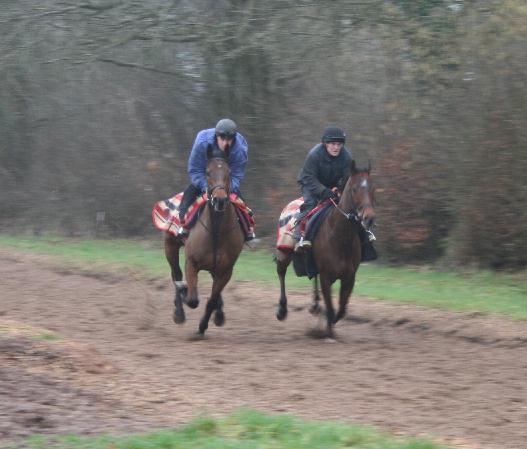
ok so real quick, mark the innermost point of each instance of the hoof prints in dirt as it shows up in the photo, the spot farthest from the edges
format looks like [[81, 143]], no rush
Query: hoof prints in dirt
[[40, 407], [471, 330], [37, 389]]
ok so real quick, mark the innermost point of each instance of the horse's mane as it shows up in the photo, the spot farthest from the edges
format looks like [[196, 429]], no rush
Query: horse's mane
[[215, 153]]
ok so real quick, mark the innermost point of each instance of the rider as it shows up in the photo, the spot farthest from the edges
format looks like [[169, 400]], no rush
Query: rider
[[323, 175], [325, 168], [224, 136]]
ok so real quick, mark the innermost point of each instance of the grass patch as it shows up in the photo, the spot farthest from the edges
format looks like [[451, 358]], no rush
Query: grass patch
[[47, 336], [245, 429], [482, 291]]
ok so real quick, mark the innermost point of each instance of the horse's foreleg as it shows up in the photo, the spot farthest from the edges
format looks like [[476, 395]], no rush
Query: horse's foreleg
[[219, 316], [217, 288], [191, 275], [346, 287], [283, 259], [325, 286], [215, 301], [315, 308]]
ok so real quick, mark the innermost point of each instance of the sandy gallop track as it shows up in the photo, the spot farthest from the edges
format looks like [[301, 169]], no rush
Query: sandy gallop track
[[121, 364]]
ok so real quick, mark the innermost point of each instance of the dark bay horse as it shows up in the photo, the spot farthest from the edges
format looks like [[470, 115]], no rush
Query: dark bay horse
[[213, 244], [336, 247]]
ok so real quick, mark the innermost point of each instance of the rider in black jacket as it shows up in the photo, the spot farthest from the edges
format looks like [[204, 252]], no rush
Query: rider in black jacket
[[324, 171]]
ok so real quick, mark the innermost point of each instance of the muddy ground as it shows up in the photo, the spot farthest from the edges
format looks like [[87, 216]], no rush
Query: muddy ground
[[120, 364]]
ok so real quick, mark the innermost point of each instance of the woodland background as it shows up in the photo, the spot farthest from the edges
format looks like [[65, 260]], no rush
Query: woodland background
[[100, 101]]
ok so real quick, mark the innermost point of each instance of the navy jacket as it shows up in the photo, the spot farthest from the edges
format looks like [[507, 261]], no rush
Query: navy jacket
[[322, 171], [197, 163]]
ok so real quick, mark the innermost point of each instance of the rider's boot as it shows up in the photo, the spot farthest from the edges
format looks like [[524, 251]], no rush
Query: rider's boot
[[189, 196], [368, 251], [302, 243]]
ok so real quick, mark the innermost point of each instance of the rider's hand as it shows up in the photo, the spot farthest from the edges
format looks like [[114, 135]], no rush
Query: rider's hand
[[329, 194]]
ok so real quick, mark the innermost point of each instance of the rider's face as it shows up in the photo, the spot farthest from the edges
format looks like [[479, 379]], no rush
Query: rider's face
[[224, 142], [334, 148]]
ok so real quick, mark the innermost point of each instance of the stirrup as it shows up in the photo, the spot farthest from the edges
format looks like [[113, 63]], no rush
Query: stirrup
[[302, 245], [182, 232], [371, 237], [250, 236]]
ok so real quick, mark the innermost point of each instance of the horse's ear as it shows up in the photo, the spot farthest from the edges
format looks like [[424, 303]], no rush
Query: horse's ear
[[227, 152], [353, 166], [209, 151]]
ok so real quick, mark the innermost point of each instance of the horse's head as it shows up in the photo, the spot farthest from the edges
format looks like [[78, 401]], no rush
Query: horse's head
[[218, 178], [357, 196]]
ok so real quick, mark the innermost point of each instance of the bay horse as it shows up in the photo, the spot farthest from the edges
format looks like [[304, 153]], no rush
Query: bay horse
[[213, 244], [336, 247]]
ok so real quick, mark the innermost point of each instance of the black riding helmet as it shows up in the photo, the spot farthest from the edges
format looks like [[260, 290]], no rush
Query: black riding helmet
[[226, 128], [333, 134]]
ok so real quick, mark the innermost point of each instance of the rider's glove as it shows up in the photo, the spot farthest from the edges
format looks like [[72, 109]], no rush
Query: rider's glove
[[328, 193]]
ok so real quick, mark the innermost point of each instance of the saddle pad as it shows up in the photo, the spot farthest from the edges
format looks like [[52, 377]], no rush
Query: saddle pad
[[165, 214], [287, 222], [286, 225]]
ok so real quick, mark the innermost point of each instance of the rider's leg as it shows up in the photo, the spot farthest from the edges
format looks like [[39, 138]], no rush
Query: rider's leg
[[368, 251], [250, 235], [189, 196], [309, 204]]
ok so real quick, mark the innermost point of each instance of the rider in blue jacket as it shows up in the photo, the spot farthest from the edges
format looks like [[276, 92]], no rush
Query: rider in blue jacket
[[224, 136]]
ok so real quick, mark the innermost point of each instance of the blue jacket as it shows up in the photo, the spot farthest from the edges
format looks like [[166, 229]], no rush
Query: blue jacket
[[197, 163]]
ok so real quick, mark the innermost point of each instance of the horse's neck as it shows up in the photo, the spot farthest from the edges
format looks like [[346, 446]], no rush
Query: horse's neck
[[340, 228], [224, 219]]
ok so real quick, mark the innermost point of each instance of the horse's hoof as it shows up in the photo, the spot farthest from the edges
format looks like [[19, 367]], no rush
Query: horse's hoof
[[219, 319], [315, 309], [338, 317], [193, 303], [201, 329], [281, 313], [179, 317]]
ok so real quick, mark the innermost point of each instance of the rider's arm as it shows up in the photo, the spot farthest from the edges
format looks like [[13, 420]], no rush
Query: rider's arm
[[197, 163], [309, 176], [237, 162]]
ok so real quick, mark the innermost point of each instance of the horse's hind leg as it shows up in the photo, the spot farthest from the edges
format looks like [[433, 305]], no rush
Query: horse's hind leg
[[346, 287], [172, 246], [315, 308], [215, 301], [283, 259]]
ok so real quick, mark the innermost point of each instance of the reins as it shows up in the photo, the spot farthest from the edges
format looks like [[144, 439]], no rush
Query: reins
[[353, 215]]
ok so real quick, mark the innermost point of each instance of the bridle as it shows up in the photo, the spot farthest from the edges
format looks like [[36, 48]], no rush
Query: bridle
[[355, 214], [218, 206], [212, 200]]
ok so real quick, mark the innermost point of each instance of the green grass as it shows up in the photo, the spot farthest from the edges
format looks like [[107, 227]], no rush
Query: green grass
[[47, 336], [483, 291], [245, 429]]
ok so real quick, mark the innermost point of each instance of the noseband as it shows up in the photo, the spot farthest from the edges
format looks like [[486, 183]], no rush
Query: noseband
[[219, 206]]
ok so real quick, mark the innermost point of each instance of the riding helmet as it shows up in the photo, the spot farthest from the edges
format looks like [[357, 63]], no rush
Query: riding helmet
[[226, 128], [333, 134]]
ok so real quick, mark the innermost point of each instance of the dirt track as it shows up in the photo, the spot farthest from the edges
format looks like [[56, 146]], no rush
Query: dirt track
[[121, 364]]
